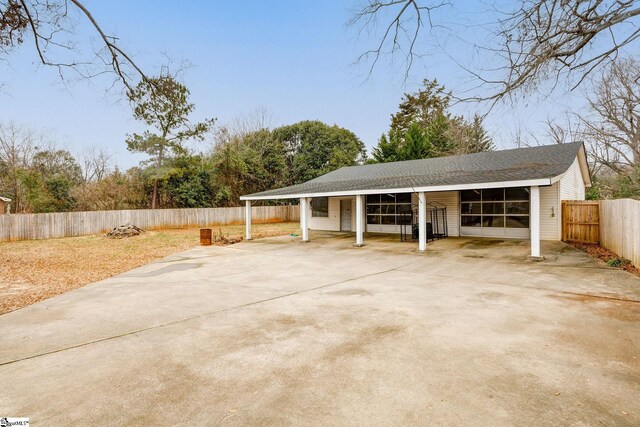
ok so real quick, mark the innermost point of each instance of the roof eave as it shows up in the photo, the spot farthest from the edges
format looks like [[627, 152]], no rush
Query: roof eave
[[432, 188]]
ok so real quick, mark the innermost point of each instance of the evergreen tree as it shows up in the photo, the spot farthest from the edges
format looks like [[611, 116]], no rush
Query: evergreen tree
[[423, 127]]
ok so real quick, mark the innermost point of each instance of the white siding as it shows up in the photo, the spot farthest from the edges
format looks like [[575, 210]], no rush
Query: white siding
[[451, 200], [550, 212], [572, 183], [332, 222]]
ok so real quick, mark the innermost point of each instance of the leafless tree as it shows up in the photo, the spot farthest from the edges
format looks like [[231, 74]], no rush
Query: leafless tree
[[537, 40], [17, 148], [255, 120], [521, 136], [569, 128], [612, 126], [51, 25], [260, 118], [95, 163], [563, 130]]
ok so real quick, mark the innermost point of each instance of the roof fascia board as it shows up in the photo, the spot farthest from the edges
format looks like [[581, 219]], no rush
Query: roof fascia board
[[584, 166], [476, 186]]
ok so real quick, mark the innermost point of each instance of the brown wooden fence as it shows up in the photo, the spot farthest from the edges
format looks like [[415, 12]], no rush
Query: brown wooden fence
[[66, 224], [581, 221]]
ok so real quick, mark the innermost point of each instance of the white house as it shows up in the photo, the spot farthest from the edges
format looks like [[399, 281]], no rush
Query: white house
[[507, 194]]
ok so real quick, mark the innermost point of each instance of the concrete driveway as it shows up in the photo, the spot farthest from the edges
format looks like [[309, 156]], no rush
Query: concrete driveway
[[279, 332]]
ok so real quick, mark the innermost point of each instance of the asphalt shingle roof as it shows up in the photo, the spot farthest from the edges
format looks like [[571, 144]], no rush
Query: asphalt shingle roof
[[517, 164]]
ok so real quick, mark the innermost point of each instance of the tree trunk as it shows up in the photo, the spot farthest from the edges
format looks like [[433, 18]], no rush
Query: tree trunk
[[158, 165], [155, 194]]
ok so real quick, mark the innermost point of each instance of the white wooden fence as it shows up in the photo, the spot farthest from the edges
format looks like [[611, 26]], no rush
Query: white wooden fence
[[620, 228], [66, 224]]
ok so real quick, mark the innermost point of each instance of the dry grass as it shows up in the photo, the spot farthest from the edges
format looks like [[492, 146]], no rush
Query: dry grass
[[33, 270]]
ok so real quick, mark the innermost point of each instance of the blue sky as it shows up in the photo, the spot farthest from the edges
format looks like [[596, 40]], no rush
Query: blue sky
[[294, 58]]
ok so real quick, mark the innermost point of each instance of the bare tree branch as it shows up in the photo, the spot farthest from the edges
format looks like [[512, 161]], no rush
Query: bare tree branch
[[407, 19], [50, 25], [612, 129], [538, 41]]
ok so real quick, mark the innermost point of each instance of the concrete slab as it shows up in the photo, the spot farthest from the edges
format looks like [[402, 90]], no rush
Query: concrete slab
[[274, 331]]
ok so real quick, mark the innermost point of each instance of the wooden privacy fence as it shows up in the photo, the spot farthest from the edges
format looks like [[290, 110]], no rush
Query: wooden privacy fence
[[66, 224], [620, 228], [581, 221], [613, 224]]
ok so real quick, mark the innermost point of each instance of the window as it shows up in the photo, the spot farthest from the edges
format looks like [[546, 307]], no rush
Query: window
[[471, 208], [470, 195], [320, 207], [471, 221], [495, 208], [389, 209], [517, 193], [517, 208], [492, 221]]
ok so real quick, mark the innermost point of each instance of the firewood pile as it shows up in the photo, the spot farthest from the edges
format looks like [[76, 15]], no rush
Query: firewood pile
[[219, 238], [124, 231]]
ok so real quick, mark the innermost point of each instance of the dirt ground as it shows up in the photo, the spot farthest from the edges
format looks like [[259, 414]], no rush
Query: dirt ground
[[33, 270]]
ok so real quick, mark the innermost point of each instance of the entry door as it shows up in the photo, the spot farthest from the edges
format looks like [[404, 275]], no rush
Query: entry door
[[345, 215]]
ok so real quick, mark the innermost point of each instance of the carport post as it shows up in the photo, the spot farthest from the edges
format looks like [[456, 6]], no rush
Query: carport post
[[422, 222], [359, 237], [247, 219], [304, 222], [534, 217]]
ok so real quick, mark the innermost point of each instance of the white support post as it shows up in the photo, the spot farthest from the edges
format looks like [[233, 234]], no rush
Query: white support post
[[422, 222], [304, 220], [247, 219], [534, 219], [359, 225]]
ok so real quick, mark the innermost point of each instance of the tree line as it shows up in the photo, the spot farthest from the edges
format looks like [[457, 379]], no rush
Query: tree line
[[40, 177], [423, 127], [205, 165]]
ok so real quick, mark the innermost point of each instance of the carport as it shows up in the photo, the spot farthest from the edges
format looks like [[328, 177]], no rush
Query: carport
[[507, 194]]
